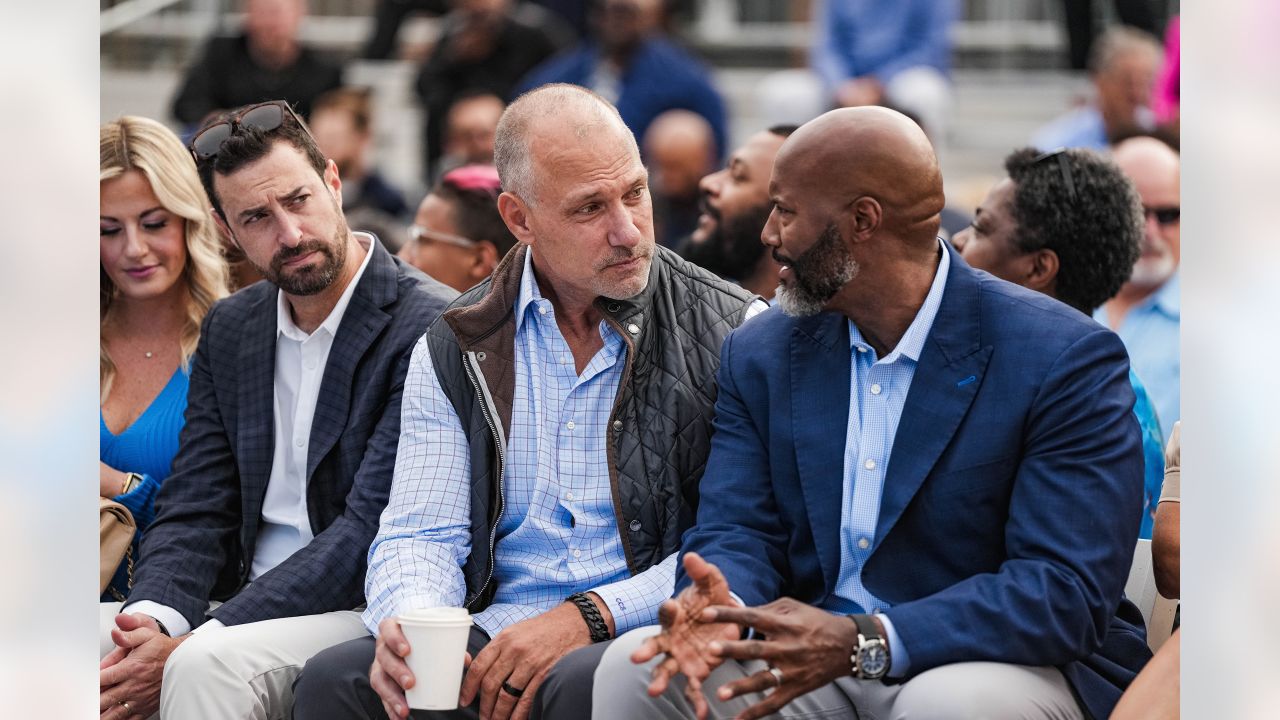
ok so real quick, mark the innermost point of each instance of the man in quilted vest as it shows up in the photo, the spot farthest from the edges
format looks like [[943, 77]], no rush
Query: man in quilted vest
[[556, 424]]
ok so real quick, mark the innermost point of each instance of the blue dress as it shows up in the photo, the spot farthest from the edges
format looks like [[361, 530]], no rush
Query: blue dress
[[146, 447], [1152, 454]]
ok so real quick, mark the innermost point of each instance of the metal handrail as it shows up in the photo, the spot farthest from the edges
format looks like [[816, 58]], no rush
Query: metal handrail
[[129, 11]]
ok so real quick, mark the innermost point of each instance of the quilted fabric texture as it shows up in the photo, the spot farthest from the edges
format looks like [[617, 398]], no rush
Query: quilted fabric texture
[[660, 429]]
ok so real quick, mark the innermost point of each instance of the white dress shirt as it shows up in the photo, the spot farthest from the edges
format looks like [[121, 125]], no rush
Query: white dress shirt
[[300, 363]]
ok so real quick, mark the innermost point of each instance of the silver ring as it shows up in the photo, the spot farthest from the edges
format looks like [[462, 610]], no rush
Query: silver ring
[[125, 704], [777, 675]]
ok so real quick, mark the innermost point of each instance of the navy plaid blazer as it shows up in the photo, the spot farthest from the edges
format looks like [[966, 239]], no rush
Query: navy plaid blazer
[[201, 545]]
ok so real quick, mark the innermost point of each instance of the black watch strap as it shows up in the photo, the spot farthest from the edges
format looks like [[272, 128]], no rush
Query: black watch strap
[[596, 625], [867, 627], [163, 630]]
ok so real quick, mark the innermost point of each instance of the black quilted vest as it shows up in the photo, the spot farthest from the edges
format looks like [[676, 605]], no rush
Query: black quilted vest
[[659, 431]]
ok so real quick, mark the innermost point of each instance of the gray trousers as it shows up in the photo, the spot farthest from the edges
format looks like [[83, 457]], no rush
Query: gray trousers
[[335, 685], [965, 690]]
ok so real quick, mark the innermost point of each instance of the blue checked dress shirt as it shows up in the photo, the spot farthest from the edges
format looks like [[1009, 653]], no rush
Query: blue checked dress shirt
[[558, 534], [877, 393]]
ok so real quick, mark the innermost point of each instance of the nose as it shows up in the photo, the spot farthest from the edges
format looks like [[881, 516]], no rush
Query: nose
[[710, 184], [769, 235], [623, 231], [960, 239], [135, 246], [289, 228]]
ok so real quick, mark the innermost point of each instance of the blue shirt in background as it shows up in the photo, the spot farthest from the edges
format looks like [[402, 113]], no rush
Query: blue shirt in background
[[1151, 333], [881, 39]]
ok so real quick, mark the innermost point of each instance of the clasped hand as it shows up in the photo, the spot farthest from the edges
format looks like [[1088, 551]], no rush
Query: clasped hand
[[133, 671]]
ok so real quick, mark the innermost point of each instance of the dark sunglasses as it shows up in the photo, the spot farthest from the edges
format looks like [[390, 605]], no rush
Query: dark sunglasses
[[1063, 166], [266, 117], [1164, 215]]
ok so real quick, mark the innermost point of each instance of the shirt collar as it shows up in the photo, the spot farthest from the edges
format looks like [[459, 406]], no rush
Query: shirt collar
[[912, 342], [528, 289], [284, 317], [1168, 299]]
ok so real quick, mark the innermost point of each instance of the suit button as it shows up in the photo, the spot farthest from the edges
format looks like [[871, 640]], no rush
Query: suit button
[[480, 356], [635, 526], [614, 307], [634, 329], [617, 426]]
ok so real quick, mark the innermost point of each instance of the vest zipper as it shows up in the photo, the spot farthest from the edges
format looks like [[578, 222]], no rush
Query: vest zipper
[[475, 375]]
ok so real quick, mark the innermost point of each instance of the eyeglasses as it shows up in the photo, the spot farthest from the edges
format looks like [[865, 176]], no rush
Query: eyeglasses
[[417, 233], [1163, 215], [1063, 166], [265, 116]]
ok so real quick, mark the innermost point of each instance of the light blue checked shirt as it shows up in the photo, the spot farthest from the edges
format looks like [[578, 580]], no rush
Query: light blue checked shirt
[[877, 393], [558, 534]]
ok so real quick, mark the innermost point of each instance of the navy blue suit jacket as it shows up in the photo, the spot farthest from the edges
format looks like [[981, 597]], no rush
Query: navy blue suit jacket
[[1012, 498], [201, 545]]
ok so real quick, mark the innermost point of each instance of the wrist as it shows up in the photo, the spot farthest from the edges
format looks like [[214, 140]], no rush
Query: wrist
[[869, 659], [588, 606]]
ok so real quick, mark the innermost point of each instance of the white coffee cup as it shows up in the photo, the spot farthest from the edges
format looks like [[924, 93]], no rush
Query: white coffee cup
[[437, 646]]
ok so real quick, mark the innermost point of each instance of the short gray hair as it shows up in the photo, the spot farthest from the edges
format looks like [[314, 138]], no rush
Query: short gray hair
[[1117, 41], [520, 120]]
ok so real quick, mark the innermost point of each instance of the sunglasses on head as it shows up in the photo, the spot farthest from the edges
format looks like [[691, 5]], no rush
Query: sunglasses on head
[[265, 116], [1163, 215], [1063, 166]]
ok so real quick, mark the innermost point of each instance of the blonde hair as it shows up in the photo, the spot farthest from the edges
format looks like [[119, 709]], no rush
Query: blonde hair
[[138, 143]]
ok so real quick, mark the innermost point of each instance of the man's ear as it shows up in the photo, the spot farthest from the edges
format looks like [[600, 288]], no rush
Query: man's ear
[[485, 260], [515, 213], [1042, 274], [332, 180], [865, 215]]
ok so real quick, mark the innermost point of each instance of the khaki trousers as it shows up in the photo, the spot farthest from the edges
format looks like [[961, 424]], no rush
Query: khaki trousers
[[243, 671]]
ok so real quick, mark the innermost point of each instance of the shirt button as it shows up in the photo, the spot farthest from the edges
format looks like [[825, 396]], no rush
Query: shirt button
[[570, 425], [311, 364], [542, 310], [870, 464], [635, 526], [299, 442], [568, 496], [875, 388], [861, 349], [577, 553], [864, 543], [617, 425]]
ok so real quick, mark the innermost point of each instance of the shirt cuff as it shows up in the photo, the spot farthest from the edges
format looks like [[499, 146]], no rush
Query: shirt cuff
[[210, 624], [634, 602], [899, 661], [170, 618]]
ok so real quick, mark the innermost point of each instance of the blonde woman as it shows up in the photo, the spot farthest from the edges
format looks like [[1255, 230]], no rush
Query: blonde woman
[[162, 268]]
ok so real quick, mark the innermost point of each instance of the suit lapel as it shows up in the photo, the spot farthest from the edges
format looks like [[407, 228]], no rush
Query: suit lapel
[[819, 417], [255, 438], [945, 383], [361, 324]]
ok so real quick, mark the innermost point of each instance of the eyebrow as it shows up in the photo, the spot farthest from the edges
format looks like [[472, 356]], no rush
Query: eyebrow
[[596, 194], [244, 214], [141, 214]]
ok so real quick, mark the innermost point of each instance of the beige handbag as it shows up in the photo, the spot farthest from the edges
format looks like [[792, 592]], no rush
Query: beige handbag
[[116, 538]]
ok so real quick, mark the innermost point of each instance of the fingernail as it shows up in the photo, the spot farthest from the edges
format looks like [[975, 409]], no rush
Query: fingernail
[[405, 680], [396, 708]]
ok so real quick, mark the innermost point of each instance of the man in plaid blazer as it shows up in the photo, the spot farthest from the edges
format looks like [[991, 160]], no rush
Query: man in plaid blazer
[[256, 558]]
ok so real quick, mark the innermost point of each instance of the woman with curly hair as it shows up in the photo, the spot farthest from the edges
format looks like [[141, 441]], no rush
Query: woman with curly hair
[[1069, 224], [161, 269]]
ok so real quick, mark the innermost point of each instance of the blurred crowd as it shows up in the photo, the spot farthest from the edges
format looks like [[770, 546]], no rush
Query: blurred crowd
[[266, 178]]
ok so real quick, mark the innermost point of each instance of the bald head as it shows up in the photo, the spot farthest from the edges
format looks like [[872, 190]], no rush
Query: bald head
[[1147, 157], [869, 151], [680, 146], [543, 120]]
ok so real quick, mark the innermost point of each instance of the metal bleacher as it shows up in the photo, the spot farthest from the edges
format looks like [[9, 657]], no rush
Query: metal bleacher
[[1008, 59]]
